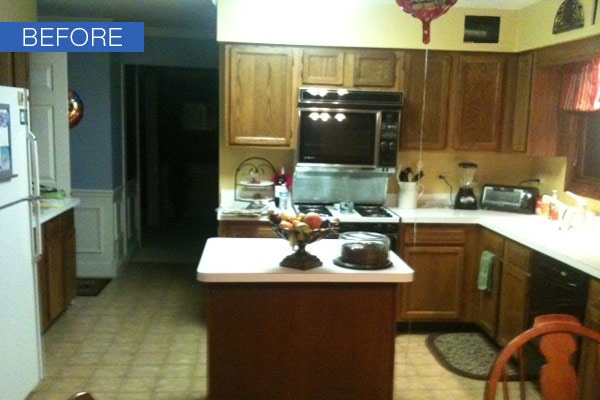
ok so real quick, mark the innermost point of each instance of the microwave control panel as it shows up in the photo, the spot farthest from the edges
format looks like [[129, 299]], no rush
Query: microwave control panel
[[388, 142]]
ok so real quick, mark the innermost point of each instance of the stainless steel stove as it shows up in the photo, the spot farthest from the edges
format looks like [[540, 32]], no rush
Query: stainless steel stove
[[369, 218], [374, 212], [321, 189], [361, 213]]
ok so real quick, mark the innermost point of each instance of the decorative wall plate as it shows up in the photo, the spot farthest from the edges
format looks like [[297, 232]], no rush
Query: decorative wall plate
[[568, 17]]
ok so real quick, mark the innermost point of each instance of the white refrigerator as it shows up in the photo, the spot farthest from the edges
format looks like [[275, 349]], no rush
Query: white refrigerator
[[20, 248]]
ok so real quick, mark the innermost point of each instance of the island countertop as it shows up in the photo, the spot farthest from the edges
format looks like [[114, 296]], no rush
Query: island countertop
[[257, 260]]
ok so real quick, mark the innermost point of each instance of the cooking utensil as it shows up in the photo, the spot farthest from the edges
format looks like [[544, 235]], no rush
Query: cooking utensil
[[406, 174], [418, 176]]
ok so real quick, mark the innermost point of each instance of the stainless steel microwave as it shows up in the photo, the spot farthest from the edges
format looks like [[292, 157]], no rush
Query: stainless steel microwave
[[347, 128]]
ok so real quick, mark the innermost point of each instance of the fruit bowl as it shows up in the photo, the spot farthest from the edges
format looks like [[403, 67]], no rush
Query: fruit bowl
[[301, 230]]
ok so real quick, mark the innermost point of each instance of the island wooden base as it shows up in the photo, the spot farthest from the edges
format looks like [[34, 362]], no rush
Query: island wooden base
[[288, 341]]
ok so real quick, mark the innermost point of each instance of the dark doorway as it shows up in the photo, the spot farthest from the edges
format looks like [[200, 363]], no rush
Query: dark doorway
[[173, 124]]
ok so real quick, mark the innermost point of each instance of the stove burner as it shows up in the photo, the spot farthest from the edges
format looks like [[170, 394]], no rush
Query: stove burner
[[372, 211], [319, 209]]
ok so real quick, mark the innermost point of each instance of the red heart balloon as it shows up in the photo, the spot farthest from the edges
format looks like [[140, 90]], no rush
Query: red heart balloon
[[426, 11], [75, 109]]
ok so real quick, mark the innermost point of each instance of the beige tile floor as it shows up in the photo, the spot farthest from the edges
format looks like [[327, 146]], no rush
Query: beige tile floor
[[144, 337]]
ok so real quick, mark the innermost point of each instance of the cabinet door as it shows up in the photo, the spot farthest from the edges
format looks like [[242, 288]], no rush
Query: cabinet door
[[437, 91], [260, 92], [69, 256], [323, 67], [53, 248], [489, 300], [512, 315], [42, 279], [519, 88], [477, 116], [374, 68], [435, 292], [14, 69]]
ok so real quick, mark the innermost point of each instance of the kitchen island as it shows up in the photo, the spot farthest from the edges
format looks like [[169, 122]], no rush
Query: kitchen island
[[281, 333]]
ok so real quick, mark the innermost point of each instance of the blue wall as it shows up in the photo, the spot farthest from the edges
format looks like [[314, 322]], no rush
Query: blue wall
[[92, 161], [96, 143]]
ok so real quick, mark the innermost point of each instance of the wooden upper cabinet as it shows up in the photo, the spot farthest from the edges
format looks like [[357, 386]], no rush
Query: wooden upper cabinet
[[517, 92], [478, 103], [437, 93], [374, 68], [351, 68], [323, 67], [260, 95], [14, 69]]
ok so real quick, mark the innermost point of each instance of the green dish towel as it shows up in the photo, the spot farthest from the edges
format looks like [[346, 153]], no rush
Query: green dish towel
[[484, 280]]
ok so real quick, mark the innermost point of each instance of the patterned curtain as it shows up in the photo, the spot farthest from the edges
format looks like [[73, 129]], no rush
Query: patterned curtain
[[581, 87]]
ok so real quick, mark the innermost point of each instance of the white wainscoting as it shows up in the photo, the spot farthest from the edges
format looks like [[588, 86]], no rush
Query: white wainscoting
[[103, 243]]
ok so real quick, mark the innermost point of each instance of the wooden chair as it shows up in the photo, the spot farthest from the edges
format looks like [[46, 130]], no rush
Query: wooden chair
[[81, 396], [556, 334]]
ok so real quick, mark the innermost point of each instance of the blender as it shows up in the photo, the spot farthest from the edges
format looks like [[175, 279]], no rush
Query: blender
[[465, 198]]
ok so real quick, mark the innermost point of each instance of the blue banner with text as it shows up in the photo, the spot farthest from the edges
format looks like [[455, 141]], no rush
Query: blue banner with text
[[92, 37]]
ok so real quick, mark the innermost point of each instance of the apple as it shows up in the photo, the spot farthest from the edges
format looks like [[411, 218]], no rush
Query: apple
[[313, 220], [286, 225]]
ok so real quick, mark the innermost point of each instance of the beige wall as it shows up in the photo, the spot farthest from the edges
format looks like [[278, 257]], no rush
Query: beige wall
[[535, 25], [382, 24], [349, 23]]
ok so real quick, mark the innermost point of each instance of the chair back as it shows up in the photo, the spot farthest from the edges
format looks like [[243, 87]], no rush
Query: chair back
[[557, 336]]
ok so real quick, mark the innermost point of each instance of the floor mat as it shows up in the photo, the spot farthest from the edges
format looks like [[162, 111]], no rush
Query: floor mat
[[468, 354], [91, 286]]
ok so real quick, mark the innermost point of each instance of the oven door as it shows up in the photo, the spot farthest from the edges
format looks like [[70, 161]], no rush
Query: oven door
[[338, 137]]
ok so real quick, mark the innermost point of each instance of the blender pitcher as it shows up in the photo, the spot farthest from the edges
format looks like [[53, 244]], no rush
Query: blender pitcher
[[465, 198]]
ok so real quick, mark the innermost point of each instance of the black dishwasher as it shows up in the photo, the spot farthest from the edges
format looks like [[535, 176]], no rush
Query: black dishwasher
[[556, 288]]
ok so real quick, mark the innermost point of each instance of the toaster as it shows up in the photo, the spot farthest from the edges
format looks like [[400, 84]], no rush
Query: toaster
[[516, 199]]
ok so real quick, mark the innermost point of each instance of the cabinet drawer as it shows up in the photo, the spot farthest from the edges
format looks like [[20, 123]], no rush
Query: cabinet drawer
[[517, 254], [246, 229], [493, 242], [436, 234]]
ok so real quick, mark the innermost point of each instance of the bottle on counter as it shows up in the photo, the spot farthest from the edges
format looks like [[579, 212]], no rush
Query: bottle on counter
[[553, 212], [283, 198], [280, 186]]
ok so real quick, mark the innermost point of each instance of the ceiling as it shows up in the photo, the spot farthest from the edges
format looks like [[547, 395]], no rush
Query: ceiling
[[192, 18]]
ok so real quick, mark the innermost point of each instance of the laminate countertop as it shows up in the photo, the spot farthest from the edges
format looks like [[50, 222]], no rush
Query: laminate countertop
[[57, 207], [257, 260], [577, 246]]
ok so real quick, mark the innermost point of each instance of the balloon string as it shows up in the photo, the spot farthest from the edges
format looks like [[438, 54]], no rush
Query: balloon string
[[420, 162], [423, 105]]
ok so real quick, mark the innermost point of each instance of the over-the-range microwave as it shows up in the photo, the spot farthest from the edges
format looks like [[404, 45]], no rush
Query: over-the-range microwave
[[347, 128]]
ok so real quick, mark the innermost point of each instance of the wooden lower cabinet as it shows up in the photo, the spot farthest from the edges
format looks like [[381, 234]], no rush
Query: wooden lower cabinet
[[441, 289], [489, 299], [57, 275], [301, 340], [250, 229], [514, 292]]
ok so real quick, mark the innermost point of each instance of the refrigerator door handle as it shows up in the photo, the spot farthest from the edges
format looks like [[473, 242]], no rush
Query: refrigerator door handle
[[35, 193]]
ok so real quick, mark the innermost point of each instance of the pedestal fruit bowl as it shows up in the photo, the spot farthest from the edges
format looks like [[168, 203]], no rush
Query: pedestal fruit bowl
[[300, 230]]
